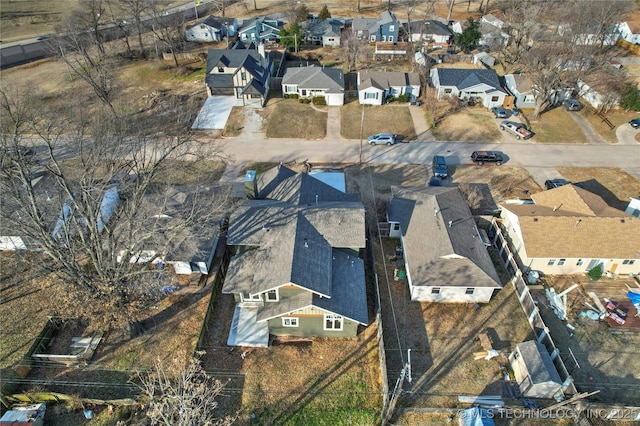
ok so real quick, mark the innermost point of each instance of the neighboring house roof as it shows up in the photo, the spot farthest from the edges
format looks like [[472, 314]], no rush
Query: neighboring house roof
[[571, 222], [538, 363], [385, 80], [440, 238], [463, 78], [249, 59], [491, 19], [521, 82], [294, 238], [430, 27], [325, 27], [363, 24], [212, 22], [314, 77]]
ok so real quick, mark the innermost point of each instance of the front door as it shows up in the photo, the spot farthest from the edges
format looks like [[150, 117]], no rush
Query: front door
[[592, 264]]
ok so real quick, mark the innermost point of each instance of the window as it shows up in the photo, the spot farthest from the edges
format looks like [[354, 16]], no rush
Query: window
[[494, 99], [202, 27], [469, 290], [628, 262], [396, 226], [333, 322], [272, 296], [435, 290], [220, 69], [373, 38], [447, 91], [390, 39], [290, 89], [551, 262], [247, 297], [392, 28], [384, 38], [369, 95], [243, 76], [580, 262], [304, 92], [561, 262], [289, 322]]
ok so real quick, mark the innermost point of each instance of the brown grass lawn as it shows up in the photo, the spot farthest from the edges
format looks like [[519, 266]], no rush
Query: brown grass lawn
[[613, 185], [475, 124], [235, 122], [377, 119], [617, 118], [288, 118], [555, 126]]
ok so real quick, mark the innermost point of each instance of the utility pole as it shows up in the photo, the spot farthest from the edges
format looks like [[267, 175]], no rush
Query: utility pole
[[451, 2]]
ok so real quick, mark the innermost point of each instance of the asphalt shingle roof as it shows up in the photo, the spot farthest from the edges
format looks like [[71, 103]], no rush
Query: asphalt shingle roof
[[313, 77], [571, 222], [464, 78], [291, 238], [385, 80], [440, 238], [430, 27], [538, 363]]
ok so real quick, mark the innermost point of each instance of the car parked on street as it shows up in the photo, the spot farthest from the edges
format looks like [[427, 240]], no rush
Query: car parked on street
[[499, 112], [439, 167], [481, 157], [382, 139], [635, 123], [572, 105]]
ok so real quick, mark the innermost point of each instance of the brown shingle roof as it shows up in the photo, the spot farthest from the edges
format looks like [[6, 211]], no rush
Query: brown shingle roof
[[570, 222]]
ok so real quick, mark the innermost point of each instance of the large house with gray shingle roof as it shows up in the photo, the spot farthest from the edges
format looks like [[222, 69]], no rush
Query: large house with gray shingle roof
[[445, 256], [260, 30], [429, 31], [312, 81], [296, 269], [241, 72], [325, 32], [375, 87], [570, 230], [481, 85]]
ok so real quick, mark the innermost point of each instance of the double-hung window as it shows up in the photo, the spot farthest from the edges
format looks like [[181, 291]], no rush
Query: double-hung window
[[333, 322]]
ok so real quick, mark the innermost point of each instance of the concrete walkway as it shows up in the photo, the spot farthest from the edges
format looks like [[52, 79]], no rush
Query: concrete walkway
[[333, 124], [422, 128], [592, 136]]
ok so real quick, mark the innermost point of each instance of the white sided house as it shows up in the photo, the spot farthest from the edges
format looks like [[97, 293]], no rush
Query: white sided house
[[374, 87], [569, 230], [445, 255], [312, 81], [212, 29], [480, 85], [521, 88]]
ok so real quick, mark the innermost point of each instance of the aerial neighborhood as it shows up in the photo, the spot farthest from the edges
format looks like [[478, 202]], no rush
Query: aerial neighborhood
[[294, 213]]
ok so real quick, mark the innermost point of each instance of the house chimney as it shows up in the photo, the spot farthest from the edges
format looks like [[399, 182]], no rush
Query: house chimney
[[577, 223], [261, 50], [557, 207]]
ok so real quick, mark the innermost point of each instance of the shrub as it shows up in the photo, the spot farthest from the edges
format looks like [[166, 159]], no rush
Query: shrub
[[291, 96], [304, 100], [319, 100], [631, 98], [595, 273], [403, 98]]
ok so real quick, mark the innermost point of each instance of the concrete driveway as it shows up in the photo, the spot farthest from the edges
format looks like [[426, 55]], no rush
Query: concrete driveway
[[626, 134], [215, 112]]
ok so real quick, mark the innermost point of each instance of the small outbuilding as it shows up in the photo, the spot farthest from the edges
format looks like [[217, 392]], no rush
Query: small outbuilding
[[534, 370]]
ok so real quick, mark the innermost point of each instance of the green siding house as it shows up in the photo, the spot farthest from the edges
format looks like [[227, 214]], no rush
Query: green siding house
[[295, 269]]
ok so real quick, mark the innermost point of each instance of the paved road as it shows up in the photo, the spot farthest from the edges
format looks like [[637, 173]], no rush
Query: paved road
[[540, 159]]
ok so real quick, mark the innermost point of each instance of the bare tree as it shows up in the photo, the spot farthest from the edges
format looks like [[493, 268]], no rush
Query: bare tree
[[352, 48], [96, 200], [179, 395], [167, 29], [136, 9]]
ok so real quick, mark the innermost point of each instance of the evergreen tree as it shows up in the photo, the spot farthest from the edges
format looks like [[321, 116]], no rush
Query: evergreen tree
[[324, 13], [470, 36]]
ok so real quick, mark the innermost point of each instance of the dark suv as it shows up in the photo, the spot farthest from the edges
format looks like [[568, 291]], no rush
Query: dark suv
[[482, 157], [439, 166]]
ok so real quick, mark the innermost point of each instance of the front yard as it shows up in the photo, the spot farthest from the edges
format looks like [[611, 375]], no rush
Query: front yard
[[288, 118], [389, 118]]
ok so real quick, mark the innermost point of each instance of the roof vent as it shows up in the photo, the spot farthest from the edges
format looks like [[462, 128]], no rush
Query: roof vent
[[306, 245], [535, 219], [450, 223]]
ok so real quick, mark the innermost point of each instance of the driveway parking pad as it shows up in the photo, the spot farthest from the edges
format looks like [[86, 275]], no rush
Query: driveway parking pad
[[215, 112]]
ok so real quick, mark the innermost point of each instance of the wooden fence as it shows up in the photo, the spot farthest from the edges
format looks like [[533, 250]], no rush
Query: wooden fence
[[530, 309]]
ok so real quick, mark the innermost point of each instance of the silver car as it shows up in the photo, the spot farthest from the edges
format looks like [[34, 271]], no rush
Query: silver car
[[382, 139]]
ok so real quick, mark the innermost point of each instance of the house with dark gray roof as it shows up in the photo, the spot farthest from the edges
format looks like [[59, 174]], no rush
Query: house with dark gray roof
[[295, 269], [212, 29], [445, 256], [430, 32], [534, 371], [388, 28], [240, 72], [325, 33], [374, 87], [480, 85], [312, 81]]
